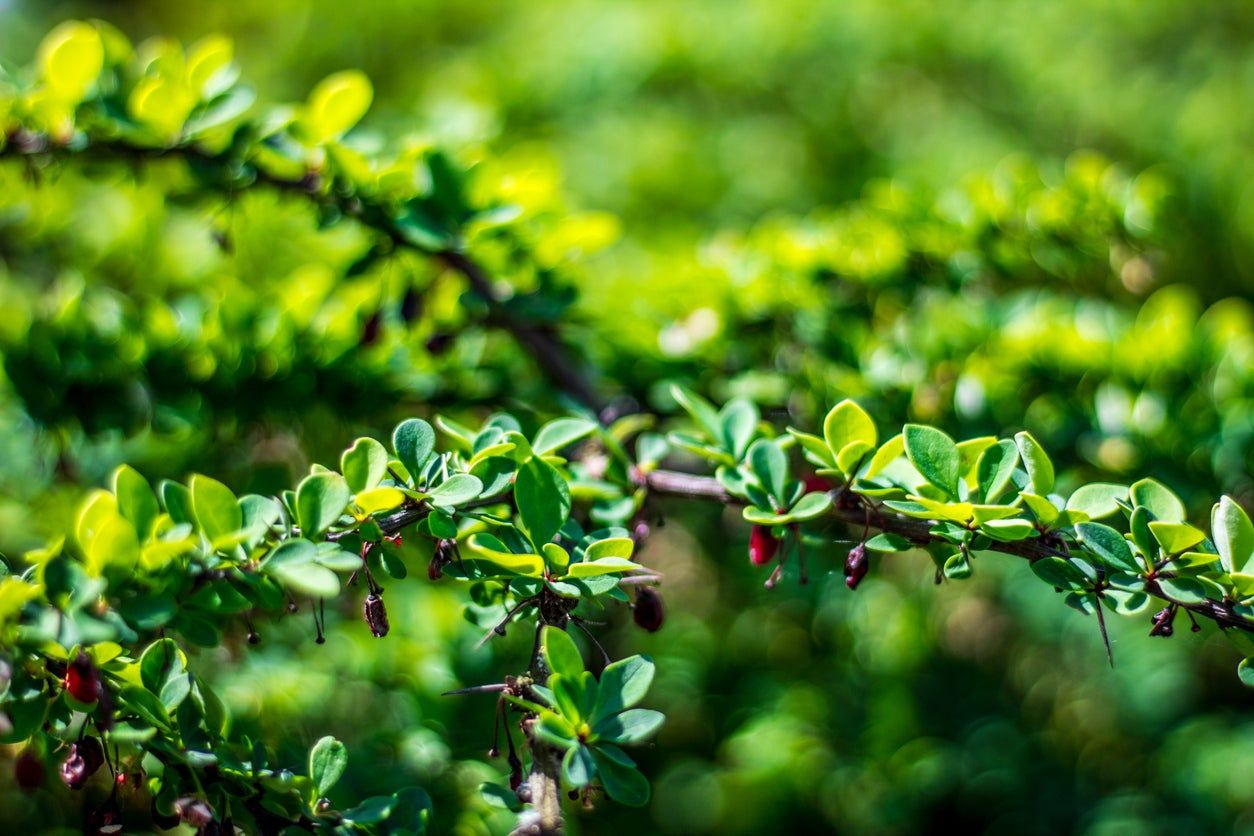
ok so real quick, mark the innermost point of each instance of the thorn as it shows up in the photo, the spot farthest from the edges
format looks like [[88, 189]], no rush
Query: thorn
[[490, 688], [1101, 626]]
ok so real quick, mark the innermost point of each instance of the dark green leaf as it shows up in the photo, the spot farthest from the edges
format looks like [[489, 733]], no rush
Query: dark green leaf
[[543, 500]]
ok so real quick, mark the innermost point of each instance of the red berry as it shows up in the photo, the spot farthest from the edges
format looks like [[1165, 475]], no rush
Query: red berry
[[816, 484], [649, 612], [28, 771], [82, 679], [762, 545]]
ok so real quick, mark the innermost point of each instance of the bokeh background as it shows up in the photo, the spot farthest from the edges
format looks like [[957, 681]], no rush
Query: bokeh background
[[987, 215]]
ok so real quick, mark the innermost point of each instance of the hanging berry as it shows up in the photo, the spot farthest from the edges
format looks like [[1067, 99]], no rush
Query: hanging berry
[[762, 545], [82, 680], [28, 771], [84, 759], [376, 615], [856, 566], [648, 611]]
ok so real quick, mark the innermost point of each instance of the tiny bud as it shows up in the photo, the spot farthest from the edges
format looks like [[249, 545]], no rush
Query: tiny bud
[[320, 640], [394, 539], [1162, 622], [573, 795], [28, 771], [494, 752], [253, 638], [82, 679], [640, 532], [762, 545], [193, 811], [649, 613], [376, 615], [856, 566]]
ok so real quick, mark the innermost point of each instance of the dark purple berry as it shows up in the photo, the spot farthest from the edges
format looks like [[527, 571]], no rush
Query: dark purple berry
[[376, 615], [856, 566], [649, 613]]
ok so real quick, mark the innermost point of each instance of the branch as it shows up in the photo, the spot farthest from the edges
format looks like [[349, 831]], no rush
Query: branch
[[552, 357], [690, 486]]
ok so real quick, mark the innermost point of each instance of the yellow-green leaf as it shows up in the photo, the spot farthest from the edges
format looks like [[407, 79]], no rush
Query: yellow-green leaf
[[336, 104]]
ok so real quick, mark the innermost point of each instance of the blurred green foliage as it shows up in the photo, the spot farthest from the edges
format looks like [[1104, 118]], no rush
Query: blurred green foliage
[[810, 200]]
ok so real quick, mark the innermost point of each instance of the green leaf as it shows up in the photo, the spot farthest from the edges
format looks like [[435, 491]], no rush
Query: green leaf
[[608, 547], [413, 441], [1044, 510], [294, 563], [1184, 590], [70, 58], [1176, 537], [543, 500], [553, 729], [487, 548], [559, 433], [622, 783], [809, 507], [136, 501], [178, 503], [738, 422], [934, 454], [1233, 535], [217, 510], [770, 465], [578, 767], [336, 104], [376, 500], [623, 685], [1036, 460], [144, 705], [604, 566], [158, 662], [1138, 527], [457, 489], [700, 410], [634, 725], [855, 452], [886, 542], [889, 452], [957, 567], [560, 653], [1008, 531], [847, 422], [1158, 498], [320, 500], [115, 549], [327, 761], [364, 464], [1060, 573], [1098, 500], [1245, 672], [1109, 545], [994, 468]]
